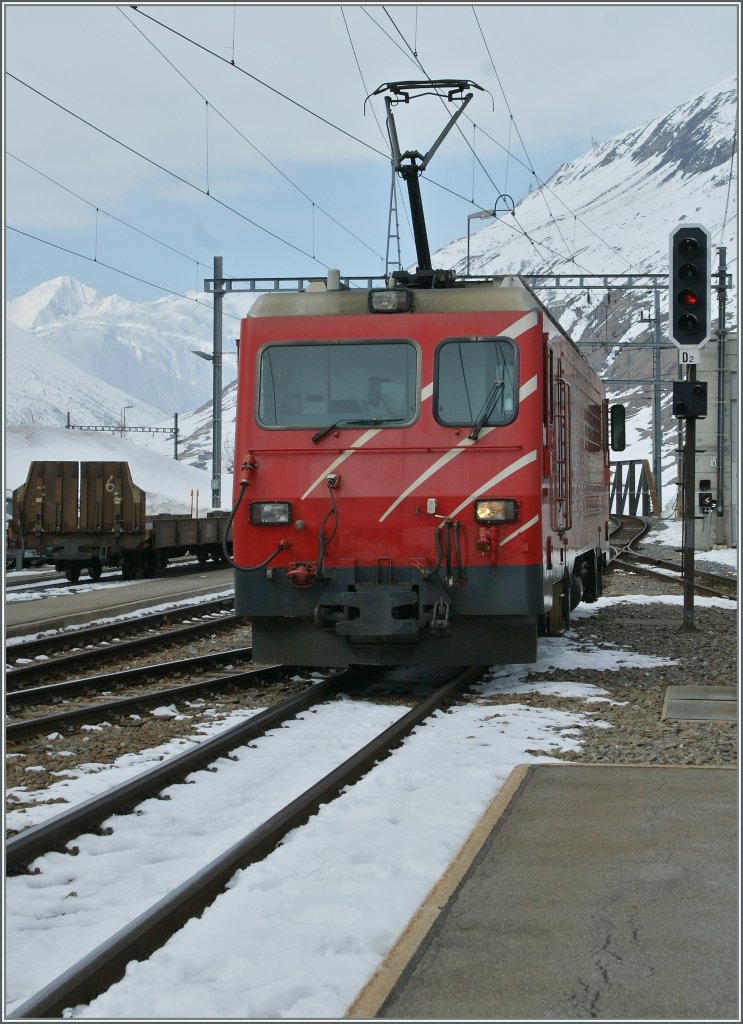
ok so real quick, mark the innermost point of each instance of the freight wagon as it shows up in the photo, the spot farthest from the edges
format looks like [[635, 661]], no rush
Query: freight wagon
[[91, 515]]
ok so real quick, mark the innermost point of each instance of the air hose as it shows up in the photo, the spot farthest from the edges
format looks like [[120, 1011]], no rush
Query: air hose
[[225, 552], [429, 574], [324, 542]]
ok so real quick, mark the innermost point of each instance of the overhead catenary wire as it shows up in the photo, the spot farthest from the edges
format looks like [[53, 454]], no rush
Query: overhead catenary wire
[[414, 56], [331, 124], [260, 81], [107, 213], [542, 187], [244, 137], [730, 180], [167, 170], [385, 138], [117, 270], [361, 76]]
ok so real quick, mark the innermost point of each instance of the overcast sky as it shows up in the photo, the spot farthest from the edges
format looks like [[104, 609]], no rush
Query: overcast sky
[[291, 191]]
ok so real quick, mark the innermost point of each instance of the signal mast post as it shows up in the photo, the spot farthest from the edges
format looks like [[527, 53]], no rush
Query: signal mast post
[[690, 443], [689, 328]]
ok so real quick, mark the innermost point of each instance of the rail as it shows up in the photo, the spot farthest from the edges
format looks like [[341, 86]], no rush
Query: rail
[[105, 965], [53, 834]]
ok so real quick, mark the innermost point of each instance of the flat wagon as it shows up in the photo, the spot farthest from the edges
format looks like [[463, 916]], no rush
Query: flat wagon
[[90, 515]]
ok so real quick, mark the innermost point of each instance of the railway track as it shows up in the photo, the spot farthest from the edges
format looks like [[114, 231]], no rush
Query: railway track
[[629, 531], [155, 627], [104, 965], [132, 678], [51, 580]]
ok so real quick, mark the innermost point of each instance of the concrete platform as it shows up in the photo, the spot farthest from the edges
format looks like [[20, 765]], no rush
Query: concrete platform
[[88, 603], [586, 891]]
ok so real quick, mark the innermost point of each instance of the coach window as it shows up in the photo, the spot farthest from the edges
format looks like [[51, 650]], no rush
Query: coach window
[[314, 384], [475, 381]]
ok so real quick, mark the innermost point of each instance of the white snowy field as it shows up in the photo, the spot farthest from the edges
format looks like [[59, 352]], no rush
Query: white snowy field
[[669, 533], [297, 935]]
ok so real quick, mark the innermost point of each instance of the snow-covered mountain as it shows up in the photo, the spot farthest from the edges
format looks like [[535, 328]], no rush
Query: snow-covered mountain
[[142, 348], [610, 211], [44, 387]]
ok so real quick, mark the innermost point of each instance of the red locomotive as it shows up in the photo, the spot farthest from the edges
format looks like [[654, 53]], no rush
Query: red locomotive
[[421, 471]]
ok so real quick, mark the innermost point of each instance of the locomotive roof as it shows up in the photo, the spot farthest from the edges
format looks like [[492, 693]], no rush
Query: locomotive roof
[[497, 293]]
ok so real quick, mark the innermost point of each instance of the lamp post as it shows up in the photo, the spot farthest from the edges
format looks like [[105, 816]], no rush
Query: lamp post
[[216, 429], [480, 215], [216, 360], [123, 417]]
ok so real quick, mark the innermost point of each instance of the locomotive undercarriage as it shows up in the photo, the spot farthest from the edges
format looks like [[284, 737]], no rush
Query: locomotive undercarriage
[[351, 619]]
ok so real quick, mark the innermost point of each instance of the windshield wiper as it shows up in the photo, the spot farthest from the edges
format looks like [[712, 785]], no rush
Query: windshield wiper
[[369, 422], [490, 403]]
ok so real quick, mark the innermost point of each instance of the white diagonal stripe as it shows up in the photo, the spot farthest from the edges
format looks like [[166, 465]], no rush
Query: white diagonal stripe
[[528, 388], [508, 471], [521, 529], [426, 392], [524, 324], [367, 436], [437, 465], [524, 391]]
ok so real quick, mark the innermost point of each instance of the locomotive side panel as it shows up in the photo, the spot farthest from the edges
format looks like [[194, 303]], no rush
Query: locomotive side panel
[[575, 501]]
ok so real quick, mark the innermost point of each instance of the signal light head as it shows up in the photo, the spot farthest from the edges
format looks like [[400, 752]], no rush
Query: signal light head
[[689, 247], [688, 272], [689, 286], [688, 323]]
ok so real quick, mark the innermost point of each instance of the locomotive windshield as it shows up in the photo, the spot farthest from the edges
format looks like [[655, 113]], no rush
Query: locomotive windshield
[[314, 384], [475, 382]]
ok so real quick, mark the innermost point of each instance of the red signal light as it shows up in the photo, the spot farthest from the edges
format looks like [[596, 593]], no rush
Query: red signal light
[[688, 297]]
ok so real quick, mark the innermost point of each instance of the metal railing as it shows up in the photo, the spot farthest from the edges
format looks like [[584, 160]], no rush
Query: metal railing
[[633, 489]]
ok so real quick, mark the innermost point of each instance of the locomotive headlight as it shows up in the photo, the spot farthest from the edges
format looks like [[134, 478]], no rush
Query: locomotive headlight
[[495, 510], [270, 513], [390, 300]]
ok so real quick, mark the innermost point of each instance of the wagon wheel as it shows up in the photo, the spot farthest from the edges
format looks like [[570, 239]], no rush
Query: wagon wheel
[[72, 573], [132, 566], [95, 570]]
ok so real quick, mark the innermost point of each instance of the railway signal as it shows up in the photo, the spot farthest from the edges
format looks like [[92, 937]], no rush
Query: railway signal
[[689, 290], [689, 399]]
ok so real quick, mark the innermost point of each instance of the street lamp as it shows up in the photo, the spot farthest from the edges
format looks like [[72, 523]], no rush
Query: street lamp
[[480, 215], [123, 417], [216, 361], [508, 206]]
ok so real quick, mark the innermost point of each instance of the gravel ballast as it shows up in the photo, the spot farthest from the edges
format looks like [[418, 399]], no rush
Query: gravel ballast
[[705, 655]]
